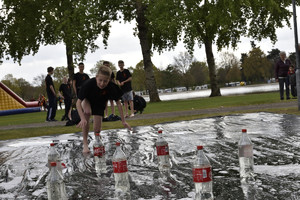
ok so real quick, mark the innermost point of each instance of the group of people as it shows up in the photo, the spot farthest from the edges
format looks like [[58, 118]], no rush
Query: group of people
[[285, 75], [92, 96]]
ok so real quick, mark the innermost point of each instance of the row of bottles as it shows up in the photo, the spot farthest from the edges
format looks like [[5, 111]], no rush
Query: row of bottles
[[55, 182], [119, 162], [202, 169]]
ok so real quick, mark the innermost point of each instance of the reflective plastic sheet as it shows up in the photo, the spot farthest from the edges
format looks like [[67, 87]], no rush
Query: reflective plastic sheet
[[276, 140]]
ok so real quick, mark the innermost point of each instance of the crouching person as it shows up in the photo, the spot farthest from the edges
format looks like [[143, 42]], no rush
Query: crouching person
[[92, 99]]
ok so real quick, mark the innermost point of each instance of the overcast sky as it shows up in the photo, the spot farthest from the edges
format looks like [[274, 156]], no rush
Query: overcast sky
[[122, 45]]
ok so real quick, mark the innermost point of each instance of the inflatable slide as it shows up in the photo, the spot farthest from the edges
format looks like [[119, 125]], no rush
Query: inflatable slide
[[11, 103]]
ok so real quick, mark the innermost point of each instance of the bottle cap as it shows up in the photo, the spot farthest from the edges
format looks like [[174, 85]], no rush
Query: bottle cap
[[118, 143], [52, 144], [97, 134], [53, 164], [159, 131], [200, 147], [244, 130]]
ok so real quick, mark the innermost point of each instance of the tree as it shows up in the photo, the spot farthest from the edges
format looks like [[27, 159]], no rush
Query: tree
[[138, 77], [60, 73], [224, 22], [39, 83], [171, 77], [256, 66], [157, 28], [19, 86], [273, 55], [25, 25], [221, 75], [292, 57], [199, 72], [183, 61], [231, 67], [94, 70], [234, 73]]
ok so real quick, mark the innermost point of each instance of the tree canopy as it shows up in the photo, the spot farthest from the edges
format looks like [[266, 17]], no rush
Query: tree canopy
[[28, 24]]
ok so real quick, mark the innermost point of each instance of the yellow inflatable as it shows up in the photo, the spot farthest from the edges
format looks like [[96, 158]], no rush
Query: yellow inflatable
[[7, 102]]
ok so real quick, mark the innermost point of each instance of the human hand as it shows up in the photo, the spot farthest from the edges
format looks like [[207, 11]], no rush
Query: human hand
[[82, 123], [126, 125]]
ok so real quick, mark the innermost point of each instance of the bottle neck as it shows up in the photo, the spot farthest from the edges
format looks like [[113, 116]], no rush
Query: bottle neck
[[97, 138], [200, 152], [245, 139]]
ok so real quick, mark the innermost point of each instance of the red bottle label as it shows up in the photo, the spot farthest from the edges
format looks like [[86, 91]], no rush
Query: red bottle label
[[201, 175], [120, 167], [99, 151], [162, 150]]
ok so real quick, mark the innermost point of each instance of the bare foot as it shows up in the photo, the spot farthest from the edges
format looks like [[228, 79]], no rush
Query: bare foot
[[86, 150]]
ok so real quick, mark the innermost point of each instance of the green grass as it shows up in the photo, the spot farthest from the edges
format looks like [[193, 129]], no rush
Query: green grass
[[158, 107]]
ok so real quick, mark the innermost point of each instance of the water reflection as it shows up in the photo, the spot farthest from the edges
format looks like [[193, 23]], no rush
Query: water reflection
[[225, 91], [276, 156]]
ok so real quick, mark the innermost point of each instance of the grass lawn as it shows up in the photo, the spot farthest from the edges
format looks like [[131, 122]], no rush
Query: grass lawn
[[158, 107]]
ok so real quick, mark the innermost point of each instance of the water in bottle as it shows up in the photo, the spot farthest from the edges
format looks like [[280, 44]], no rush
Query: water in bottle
[[246, 157], [162, 150], [56, 189], [120, 169], [202, 176], [99, 155], [54, 156]]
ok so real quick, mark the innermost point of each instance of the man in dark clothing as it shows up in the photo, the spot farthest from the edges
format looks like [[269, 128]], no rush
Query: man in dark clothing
[[123, 79], [65, 91], [281, 74], [51, 96], [79, 78]]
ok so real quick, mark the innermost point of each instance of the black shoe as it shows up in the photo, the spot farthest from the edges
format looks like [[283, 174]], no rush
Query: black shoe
[[53, 120], [281, 98], [288, 98], [63, 118], [105, 119]]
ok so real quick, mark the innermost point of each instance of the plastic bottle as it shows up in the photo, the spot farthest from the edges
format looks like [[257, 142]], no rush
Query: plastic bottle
[[202, 176], [56, 189], [99, 155], [120, 169], [53, 156], [246, 156], [162, 150]]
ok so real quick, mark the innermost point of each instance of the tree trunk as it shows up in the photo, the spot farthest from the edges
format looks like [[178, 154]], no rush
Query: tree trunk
[[69, 53], [146, 51], [215, 90]]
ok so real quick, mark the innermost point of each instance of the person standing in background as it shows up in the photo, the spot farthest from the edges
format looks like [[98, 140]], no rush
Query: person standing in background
[[281, 75], [51, 96], [79, 78], [65, 92], [124, 80]]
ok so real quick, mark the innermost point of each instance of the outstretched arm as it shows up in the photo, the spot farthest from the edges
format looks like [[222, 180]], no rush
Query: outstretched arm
[[83, 121]]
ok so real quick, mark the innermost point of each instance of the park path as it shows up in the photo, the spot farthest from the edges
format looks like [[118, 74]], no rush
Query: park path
[[256, 108]]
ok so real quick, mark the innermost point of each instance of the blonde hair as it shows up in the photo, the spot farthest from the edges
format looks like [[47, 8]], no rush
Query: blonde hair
[[104, 70]]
